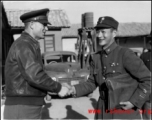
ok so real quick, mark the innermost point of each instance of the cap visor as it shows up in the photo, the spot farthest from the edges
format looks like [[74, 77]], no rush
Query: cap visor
[[45, 22]]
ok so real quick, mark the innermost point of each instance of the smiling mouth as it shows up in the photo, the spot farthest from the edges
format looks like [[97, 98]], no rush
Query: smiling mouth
[[101, 39]]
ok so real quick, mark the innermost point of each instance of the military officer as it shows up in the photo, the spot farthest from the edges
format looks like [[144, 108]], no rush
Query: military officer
[[25, 79], [122, 77]]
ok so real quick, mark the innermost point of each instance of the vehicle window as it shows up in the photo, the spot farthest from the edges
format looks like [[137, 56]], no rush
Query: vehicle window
[[69, 58], [66, 58], [137, 53], [54, 58], [73, 58]]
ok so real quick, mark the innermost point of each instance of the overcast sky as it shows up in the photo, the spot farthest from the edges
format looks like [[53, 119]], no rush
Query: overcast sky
[[123, 11]]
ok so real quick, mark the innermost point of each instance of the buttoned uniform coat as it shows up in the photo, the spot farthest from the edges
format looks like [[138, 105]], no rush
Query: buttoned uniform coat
[[146, 57], [117, 61]]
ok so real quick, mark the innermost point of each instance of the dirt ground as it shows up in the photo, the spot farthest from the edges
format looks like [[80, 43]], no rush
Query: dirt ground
[[68, 108]]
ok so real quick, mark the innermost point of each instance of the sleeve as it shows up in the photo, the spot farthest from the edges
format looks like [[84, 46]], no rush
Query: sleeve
[[32, 70], [88, 86], [137, 68]]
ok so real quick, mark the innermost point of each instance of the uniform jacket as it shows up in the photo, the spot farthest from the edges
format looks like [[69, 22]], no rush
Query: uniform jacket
[[117, 61], [25, 79], [146, 57]]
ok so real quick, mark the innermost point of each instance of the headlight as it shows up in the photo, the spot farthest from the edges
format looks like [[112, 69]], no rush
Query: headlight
[[54, 78]]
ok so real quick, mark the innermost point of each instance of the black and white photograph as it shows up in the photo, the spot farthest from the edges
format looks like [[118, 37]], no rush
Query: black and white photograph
[[75, 60]]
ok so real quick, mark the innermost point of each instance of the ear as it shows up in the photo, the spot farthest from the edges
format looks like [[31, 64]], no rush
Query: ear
[[114, 33], [32, 25]]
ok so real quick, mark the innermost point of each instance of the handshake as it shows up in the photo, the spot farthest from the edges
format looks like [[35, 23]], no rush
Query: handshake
[[67, 90]]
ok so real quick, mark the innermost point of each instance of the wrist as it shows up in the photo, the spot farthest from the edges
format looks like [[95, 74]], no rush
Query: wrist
[[74, 91], [60, 89]]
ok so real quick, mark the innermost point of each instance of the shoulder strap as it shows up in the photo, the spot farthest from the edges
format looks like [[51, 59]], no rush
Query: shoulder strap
[[122, 50]]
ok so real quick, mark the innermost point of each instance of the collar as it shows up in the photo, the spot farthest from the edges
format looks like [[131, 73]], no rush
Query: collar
[[31, 38], [110, 48]]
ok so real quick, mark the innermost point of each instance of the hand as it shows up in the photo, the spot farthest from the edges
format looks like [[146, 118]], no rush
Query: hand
[[72, 91], [48, 97], [63, 92], [71, 88], [127, 105], [66, 85]]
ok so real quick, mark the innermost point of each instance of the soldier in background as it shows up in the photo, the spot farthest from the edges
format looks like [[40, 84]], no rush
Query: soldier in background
[[146, 57]]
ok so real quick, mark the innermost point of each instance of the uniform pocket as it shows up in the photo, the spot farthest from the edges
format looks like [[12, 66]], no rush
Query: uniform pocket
[[113, 68]]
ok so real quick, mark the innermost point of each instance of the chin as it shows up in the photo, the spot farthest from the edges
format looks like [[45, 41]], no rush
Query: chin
[[42, 37], [102, 44]]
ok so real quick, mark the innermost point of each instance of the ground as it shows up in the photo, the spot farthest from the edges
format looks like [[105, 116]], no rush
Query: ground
[[69, 108]]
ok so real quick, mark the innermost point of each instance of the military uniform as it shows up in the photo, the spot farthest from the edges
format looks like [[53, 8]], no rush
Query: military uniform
[[146, 57], [113, 62]]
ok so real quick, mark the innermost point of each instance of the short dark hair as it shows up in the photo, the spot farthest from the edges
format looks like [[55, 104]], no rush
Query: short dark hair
[[112, 29], [27, 25]]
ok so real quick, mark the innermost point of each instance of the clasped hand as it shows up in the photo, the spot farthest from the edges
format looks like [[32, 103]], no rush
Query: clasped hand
[[66, 90]]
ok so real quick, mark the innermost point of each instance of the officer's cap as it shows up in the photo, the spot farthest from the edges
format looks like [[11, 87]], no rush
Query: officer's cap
[[37, 15], [106, 22]]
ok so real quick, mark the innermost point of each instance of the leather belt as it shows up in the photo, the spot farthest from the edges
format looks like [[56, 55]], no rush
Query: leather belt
[[102, 95], [103, 91]]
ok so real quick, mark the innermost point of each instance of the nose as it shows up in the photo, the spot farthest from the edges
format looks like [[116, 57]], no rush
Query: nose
[[46, 28]]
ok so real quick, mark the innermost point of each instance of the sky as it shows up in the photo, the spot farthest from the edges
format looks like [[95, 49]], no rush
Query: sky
[[122, 11]]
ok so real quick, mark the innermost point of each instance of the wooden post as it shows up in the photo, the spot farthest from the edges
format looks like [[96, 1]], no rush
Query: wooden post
[[144, 42], [144, 46], [117, 41]]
